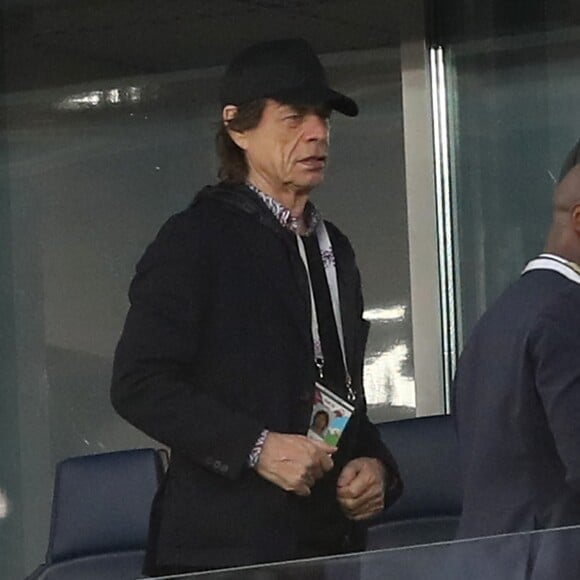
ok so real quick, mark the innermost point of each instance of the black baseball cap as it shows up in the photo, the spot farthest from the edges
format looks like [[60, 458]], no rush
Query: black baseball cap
[[286, 70], [572, 159]]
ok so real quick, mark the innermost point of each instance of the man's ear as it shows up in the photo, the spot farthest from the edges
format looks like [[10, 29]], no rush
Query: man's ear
[[238, 137], [575, 213]]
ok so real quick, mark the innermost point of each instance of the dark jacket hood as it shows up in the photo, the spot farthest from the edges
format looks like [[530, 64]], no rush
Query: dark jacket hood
[[239, 197]]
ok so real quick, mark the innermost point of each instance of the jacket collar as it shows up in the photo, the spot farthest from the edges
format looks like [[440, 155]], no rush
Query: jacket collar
[[240, 198]]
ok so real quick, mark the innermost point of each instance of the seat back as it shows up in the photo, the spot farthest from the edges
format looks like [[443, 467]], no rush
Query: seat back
[[100, 510], [426, 450]]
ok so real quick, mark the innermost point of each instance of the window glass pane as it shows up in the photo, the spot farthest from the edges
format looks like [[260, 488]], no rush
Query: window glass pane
[[513, 89], [364, 194]]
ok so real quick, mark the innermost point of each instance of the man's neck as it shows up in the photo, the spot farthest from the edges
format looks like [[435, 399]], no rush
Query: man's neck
[[294, 200], [565, 255], [561, 245]]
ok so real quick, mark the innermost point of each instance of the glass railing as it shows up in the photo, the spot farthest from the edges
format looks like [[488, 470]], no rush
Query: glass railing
[[540, 555]]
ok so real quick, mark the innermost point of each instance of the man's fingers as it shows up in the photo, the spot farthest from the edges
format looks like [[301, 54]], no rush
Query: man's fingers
[[360, 488], [369, 509], [354, 501], [362, 508], [320, 466], [347, 475], [321, 460], [327, 462], [323, 446], [309, 480], [294, 462], [302, 490], [366, 512], [357, 487]]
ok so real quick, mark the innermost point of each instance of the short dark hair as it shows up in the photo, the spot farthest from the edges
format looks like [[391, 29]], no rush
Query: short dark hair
[[233, 166]]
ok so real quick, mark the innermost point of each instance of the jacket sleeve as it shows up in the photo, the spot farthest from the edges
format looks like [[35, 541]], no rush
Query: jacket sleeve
[[555, 348], [155, 359]]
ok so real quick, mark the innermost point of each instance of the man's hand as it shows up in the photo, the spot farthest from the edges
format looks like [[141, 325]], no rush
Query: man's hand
[[294, 462], [360, 489]]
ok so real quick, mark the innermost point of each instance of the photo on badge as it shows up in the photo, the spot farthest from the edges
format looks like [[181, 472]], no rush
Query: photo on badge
[[330, 415]]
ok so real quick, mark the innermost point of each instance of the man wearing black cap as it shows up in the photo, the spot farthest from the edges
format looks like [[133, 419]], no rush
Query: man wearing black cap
[[518, 389], [242, 303]]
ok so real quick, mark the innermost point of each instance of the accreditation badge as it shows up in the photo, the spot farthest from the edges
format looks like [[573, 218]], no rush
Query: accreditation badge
[[330, 415]]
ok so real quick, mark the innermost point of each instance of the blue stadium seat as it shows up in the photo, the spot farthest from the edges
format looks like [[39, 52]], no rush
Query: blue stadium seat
[[100, 515], [426, 450]]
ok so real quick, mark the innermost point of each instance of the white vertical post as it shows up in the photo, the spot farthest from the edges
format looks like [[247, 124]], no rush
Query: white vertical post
[[422, 212]]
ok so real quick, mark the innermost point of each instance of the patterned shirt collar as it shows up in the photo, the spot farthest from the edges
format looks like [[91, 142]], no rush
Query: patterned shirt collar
[[312, 216]]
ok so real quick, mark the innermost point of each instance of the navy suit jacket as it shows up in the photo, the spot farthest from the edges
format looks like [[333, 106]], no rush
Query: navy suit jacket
[[517, 407]]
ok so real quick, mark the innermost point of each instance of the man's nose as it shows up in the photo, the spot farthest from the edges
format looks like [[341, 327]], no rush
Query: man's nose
[[315, 127]]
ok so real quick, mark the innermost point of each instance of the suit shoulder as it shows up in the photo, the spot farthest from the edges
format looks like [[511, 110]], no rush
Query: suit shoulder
[[555, 294], [527, 306], [563, 304]]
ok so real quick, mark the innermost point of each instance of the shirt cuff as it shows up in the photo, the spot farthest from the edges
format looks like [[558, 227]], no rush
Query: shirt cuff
[[254, 455]]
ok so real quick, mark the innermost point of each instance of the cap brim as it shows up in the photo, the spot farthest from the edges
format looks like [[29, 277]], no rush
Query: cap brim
[[319, 95], [342, 103]]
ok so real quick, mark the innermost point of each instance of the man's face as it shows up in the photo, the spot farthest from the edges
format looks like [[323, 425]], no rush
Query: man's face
[[320, 422], [288, 149]]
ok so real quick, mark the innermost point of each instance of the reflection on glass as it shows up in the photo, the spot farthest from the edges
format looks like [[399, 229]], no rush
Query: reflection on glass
[[4, 505], [385, 381], [100, 98], [540, 555], [394, 313], [388, 377]]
